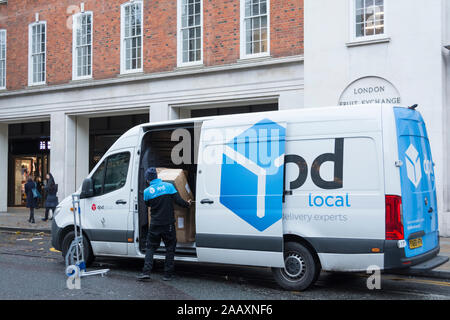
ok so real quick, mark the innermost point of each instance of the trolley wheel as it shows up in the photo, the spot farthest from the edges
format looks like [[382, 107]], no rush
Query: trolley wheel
[[88, 254], [300, 271]]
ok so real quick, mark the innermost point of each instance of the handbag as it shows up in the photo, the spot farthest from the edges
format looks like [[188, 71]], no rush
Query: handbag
[[36, 193]]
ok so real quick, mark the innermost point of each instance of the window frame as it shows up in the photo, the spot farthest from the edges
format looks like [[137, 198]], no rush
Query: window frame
[[5, 58], [74, 46], [381, 36], [106, 162], [243, 43], [123, 69], [180, 62], [30, 54]]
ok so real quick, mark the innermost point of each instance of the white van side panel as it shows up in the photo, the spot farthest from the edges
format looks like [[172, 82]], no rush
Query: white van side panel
[[240, 257], [107, 247], [343, 223], [354, 211], [353, 262], [238, 210]]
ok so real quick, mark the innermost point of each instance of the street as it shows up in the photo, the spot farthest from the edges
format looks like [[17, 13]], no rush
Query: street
[[31, 269]]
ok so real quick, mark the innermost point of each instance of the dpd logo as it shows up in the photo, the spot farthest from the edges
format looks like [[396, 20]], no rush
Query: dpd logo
[[252, 174], [413, 166]]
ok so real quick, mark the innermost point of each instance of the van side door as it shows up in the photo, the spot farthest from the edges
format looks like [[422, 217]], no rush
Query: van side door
[[239, 193], [108, 211]]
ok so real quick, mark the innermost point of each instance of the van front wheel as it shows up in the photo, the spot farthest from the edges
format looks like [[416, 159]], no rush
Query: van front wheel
[[300, 269], [88, 254]]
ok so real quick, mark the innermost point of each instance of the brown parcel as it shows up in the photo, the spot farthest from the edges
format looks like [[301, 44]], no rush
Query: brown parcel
[[184, 218]]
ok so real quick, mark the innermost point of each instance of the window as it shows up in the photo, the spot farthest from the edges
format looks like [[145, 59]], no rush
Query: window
[[190, 35], [369, 18], [82, 46], [254, 28], [37, 53], [97, 179], [112, 174], [2, 59], [116, 172], [132, 37]]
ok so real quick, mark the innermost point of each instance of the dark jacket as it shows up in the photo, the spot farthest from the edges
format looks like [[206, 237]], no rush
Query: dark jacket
[[160, 196], [31, 201], [52, 200]]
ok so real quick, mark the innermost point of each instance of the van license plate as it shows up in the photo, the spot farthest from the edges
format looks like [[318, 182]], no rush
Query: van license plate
[[415, 243]]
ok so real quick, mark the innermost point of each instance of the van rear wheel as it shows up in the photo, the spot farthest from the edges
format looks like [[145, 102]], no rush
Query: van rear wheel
[[300, 268]]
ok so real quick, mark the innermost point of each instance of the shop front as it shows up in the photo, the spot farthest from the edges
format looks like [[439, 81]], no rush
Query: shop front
[[29, 156]]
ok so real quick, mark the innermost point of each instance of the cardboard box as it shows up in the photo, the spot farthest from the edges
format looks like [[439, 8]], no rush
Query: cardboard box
[[178, 178], [184, 218], [182, 225]]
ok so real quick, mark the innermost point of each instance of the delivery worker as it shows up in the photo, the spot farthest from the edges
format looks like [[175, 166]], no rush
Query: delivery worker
[[159, 196]]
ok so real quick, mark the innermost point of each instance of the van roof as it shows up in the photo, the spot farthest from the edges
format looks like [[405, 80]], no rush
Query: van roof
[[312, 114]]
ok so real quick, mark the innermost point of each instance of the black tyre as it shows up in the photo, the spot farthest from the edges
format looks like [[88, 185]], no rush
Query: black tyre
[[88, 254], [301, 270]]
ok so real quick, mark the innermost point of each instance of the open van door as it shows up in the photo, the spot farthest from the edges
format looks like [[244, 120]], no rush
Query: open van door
[[420, 212], [240, 191]]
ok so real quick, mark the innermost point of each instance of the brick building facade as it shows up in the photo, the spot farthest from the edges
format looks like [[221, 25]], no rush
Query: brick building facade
[[80, 73], [221, 35]]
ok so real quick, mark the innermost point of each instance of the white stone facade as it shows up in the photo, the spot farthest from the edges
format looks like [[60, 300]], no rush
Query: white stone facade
[[410, 55]]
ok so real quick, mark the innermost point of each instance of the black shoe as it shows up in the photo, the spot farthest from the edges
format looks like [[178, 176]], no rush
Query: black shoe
[[44, 219], [143, 277], [32, 221], [168, 277]]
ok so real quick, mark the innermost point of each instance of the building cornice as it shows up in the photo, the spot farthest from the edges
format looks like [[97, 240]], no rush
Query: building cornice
[[177, 72]]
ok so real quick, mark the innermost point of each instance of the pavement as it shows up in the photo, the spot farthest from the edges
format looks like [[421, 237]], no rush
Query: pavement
[[16, 219]]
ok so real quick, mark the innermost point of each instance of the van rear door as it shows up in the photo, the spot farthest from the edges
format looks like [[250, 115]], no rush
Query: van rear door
[[420, 212], [240, 191]]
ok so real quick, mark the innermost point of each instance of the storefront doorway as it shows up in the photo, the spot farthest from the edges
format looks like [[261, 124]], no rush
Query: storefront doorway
[[29, 155], [24, 167]]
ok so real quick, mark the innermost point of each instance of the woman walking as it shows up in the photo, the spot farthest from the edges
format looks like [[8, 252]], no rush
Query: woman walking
[[51, 188], [31, 200]]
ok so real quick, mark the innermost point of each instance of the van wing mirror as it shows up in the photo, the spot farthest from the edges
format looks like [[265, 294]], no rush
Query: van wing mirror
[[87, 189]]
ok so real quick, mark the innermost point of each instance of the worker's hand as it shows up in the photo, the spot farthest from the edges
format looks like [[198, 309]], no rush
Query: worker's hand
[[190, 202]]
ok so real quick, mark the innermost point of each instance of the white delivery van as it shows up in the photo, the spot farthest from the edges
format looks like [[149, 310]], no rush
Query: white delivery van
[[300, 191]]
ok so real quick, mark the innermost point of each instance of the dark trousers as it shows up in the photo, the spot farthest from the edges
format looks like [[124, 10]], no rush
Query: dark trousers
[[169, 236], [47, 210], [31, 214]]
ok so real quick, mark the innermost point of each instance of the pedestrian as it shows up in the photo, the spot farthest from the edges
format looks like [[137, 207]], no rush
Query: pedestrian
[[31, 199], [51, 189], [159, 197], [39, 184]]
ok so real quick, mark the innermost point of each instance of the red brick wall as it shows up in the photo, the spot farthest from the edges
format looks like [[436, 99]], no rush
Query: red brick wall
[[221, 35], [160, 35], [106, 37], [221, 31], [286, 27]]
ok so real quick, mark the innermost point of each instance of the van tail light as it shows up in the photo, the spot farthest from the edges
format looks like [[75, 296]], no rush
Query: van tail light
[[394, 221]]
